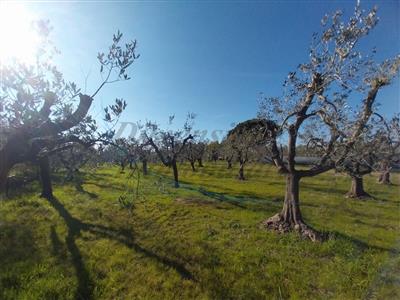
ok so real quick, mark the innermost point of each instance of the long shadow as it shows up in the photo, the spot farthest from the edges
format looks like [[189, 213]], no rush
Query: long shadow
[[359, 243], [249, 202], [96, 176], [55, 242], [376, 225], [218, 196], [104, 186], [80, 189], [237, 200], [75, 226], [358, 213], [331, 190], [17, 185]]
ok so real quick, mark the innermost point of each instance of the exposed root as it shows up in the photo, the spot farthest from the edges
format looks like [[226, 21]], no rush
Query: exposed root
[[46, 195], [384, 181], [384, 178], [277, 223], [360, 196]]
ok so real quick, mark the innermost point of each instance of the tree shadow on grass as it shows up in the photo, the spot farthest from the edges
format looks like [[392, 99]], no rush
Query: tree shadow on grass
[[16, 243], [357, 242], [105, 186], [75, 227], [80, 189], [219, 197], [369, 215], [248, 201], [339, 192], [57, 245], [97, 176], [325, 189], [17, 252], [375, 225]]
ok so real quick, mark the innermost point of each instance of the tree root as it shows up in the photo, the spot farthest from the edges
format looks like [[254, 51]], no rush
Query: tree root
[[384, 178], [361, 196], [384, 181], [277, 223]]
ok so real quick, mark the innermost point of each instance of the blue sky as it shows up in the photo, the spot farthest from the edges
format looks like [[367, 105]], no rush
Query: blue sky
[[210, 58]]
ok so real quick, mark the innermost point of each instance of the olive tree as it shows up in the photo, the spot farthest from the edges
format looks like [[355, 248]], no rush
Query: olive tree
[[190, 154], [389, 149], [315, 96], [74, 158], [228, 153], [213, 151], [122, 153], [169, 145], [199, 149], [141, 152], [360, 161], [194, 152], [375, 148], [41, 113], [243, 139]]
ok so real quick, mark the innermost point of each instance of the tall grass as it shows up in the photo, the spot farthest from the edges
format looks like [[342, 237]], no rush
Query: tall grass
[[201, 241]]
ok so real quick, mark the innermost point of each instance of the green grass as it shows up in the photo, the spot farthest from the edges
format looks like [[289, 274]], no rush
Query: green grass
[[201, 241]]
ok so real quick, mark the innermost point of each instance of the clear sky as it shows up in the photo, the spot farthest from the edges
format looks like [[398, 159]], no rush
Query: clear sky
[[211, 57]]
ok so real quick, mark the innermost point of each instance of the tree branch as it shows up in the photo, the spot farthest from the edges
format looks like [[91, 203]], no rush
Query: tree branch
[[50, 128]]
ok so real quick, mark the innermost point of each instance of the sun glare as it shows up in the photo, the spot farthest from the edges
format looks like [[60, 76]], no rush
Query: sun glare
[[18, 40]]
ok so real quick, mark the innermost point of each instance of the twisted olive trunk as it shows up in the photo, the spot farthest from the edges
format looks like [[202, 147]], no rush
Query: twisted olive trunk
[[192, 165], [229, 164], [241, 171], [122, 165], [291, 210], [13, 152], [45, 177], [357, 188], [200, 162], [26, 143], [290, 217], [175, 170], [4, 170], [144, 167], [384, 177]]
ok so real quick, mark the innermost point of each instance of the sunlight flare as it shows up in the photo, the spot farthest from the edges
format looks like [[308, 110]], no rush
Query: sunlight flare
[[19, 40]]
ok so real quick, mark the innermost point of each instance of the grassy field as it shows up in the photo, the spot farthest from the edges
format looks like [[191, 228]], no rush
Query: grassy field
[[201, 241]]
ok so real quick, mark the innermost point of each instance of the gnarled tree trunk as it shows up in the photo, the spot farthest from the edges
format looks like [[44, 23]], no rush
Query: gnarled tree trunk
[[122, 165], [241, 171], [229, 161], [13, 151], [175, 170], [192, 165], [144, 166], [200, 162], [357, 188], [45, 177], [384, 177], [4, 170], [290, 217]]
